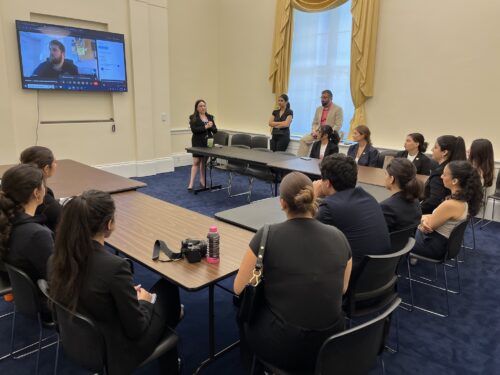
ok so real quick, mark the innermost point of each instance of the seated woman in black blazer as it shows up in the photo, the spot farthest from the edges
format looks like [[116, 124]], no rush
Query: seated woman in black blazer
[[307, 266], [86, 277], [447, 148], [402, 209], [415, 146], [44, 159], [328, 143], [202, 126], [363, 152]]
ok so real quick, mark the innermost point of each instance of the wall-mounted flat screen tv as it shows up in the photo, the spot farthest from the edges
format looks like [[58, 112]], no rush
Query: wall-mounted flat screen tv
[[57, 57]]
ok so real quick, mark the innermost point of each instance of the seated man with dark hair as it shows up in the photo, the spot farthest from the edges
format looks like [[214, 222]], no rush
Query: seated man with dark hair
[[56, 64], [351, 209]]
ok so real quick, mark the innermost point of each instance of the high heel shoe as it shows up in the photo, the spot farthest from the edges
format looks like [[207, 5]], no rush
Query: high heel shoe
[[190, 189]]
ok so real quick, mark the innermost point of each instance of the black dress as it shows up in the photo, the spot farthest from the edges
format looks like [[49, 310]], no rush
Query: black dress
[[281, 136], [200, 134]]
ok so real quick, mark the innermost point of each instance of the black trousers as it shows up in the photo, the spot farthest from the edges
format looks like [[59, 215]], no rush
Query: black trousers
[[432, 245], [279, 142]]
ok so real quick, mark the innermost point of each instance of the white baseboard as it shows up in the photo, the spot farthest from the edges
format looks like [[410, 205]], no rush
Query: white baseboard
[[140, 168], [182, 159]]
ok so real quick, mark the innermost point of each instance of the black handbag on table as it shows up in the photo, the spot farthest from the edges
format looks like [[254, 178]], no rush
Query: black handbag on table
[[252, 295]]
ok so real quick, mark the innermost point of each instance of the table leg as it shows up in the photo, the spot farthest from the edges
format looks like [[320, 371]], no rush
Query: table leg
[[212, 187]]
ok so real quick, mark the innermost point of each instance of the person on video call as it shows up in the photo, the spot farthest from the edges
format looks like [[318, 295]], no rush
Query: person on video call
[[56, 64], [326, 114]]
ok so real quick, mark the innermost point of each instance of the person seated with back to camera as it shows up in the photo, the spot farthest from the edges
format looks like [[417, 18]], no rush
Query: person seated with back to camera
[[328, 143], [307, 266], [482, 158], [44, 159], [351, 209], [464, 183], [402, 209], [85, 277], [415, 146], [363, 152]]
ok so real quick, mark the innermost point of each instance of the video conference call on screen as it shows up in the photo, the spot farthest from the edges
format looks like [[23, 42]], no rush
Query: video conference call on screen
[[68, 58]]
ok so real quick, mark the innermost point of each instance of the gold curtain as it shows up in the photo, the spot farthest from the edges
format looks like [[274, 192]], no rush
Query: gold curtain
[[363, 44]]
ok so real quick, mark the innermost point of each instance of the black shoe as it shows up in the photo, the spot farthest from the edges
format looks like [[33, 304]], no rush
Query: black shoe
[[190, 189]]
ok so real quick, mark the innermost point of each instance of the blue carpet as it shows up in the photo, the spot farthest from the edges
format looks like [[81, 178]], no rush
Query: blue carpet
[[464, 343]]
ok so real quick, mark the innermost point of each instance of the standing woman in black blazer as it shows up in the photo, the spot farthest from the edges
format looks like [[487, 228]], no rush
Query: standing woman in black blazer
[[44, 159], [402, 209], [415, 146], [202, 125], [86, 277], [363, 152], [280, 122], [328, 143], [447, 148]]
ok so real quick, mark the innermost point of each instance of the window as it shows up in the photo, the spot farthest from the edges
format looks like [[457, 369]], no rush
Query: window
[[321, 59]]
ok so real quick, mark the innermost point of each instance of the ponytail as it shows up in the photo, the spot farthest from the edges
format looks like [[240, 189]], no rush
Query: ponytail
[[455, 147], [405, 176]]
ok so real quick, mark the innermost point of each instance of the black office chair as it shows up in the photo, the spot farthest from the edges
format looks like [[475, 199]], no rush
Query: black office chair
[[260, 172], [241, 139], [259, 141], [495, 196], [5, 289], [27, 302], [221, 138], [384, 157], [78, 331], [452, 250], [351, 352]]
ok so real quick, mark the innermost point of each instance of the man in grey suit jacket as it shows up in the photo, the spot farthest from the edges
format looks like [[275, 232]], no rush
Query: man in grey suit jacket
[[326, 114]]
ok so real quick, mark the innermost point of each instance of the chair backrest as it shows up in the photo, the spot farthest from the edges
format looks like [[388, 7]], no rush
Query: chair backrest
[[81, 339], [385, 155], [456, 239], [399, 238], [259, 141], [221, 138], [241, 139], [26, 294], [497, 189], [376, 279], [355, 350]]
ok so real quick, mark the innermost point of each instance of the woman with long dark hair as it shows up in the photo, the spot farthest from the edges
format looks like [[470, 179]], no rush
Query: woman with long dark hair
[[363, 152], [402, 209], [24, 241], [482, 158], [328, 143], [447, 148], [44, 159], [307, 266], [415, 147], [464, 183], [86, 277], [202, 126], [280, 121]]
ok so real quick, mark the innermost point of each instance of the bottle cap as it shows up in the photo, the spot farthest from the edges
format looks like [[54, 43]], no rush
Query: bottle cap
[[213, 229]]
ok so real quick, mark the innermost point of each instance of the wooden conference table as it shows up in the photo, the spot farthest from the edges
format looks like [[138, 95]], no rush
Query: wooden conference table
[[73, 178], [141, 220]]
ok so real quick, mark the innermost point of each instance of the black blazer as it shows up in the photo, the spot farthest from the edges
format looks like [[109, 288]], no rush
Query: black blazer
[[331, 148], [369, 157], [109, 298], [434, 191], [200, 134], [400, 213], [421, 162], [30, 246], [50, 209]]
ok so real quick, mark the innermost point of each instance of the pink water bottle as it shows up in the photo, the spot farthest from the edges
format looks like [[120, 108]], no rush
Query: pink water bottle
[[213, 245]]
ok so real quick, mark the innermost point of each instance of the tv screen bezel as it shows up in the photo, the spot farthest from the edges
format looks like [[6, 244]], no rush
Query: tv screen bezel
[[70, 28]]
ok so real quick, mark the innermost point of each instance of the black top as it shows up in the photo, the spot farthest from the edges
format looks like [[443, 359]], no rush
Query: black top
[[30, 246], [50, 210], [304, 265], [278, 118], [200, 134], [331, 148], [400, 213], [46, 69], [359, 216], [421, 162], [369, 157], [434, 191], [109, 297]]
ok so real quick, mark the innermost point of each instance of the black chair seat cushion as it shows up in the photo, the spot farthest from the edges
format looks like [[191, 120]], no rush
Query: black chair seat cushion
[[5, 287], [261, 173], [421, 257], [168, 342]]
